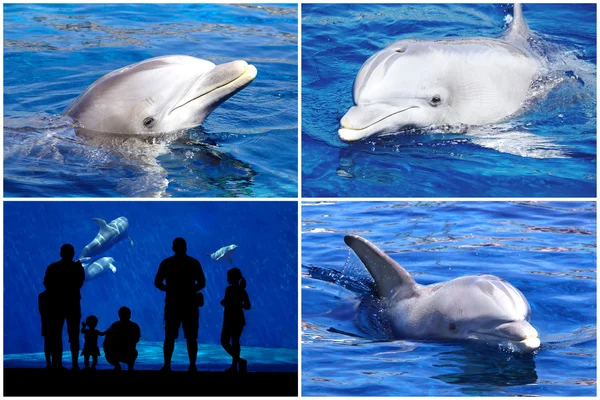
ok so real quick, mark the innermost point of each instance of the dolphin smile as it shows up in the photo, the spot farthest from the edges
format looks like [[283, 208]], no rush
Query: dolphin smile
[[360, 121], [223, 81]]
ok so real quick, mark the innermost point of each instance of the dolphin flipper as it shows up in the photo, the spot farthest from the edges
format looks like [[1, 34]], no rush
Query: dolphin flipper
[[112, 268], [390, 278]]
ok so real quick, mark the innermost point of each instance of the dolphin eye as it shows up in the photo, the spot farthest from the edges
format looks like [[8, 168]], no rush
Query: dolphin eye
[[435, 100], [148, 122], [452, 326]]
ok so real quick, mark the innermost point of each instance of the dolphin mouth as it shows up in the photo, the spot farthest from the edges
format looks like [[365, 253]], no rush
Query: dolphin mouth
[[226, 84], [364, 121], [518, 334]]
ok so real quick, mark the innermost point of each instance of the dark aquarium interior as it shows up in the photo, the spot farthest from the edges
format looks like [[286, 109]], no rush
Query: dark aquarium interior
[[266, 236]]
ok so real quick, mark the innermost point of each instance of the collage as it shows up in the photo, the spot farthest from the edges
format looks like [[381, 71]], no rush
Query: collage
[[308, 198]]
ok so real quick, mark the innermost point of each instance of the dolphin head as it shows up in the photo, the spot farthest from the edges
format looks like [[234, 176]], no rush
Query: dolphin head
[[486, 309], [403, 85], [159, 95]]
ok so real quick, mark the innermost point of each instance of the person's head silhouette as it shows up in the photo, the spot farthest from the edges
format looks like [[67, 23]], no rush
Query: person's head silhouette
[[92, 321], [124, 314], [234, 275], [179, 246], [67, 252]]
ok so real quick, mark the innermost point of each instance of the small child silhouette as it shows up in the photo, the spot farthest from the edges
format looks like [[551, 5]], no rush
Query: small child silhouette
[[90, 347], [235, 302]]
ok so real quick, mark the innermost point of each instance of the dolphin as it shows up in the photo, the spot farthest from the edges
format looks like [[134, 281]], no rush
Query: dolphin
[[108, 235], [224, 253], [445, 82], [158, 95], [99, 267], [482, 308]]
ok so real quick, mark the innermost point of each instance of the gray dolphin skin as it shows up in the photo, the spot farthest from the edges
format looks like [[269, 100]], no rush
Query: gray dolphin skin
[[482, 308], [224, 253], [108, 235], [446, 82], [99, 267], [159, 95]]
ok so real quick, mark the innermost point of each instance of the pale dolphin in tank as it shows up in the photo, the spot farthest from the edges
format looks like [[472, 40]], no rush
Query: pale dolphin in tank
[[108, 235], [224, 253], [99, 267], [446, 82], [158, 95], [482, 308]]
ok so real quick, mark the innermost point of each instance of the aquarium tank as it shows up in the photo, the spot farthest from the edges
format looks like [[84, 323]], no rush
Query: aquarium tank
[[266, 236]]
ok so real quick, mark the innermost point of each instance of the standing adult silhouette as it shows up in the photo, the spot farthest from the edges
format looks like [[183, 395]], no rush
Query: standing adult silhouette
[[181, 277], [63, 281]]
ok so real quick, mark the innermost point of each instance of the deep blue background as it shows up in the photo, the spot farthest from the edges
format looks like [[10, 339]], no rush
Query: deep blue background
[[546, 250], [338, 38], [266, 233], [53, 52]]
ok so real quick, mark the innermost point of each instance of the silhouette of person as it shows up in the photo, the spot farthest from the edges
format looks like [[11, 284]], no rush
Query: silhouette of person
[[121, 340], [63, 281], [90, 346], [181, 277], [236, 300], [51, 340]]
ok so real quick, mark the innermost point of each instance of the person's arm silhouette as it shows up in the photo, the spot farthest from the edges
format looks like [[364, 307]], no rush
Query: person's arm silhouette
[[245, 300], [81, 273], [138, 334], [200, 279], [159, 280], [84, 329]]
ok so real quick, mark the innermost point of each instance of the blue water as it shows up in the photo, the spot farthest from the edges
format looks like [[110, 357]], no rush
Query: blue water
[[246, 148], [548, 151], [546, 250], [34, 232]]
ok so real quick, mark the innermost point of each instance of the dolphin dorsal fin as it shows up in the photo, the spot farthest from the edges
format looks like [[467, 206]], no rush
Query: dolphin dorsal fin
[[390, 278], [518, 31], [101, 224]]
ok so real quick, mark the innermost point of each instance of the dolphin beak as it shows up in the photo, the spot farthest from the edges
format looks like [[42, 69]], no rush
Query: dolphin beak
[[366, 120], [519, 334], [221, 82]]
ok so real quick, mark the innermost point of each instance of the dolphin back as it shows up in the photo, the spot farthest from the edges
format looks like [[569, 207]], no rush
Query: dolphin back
[[390, 278]]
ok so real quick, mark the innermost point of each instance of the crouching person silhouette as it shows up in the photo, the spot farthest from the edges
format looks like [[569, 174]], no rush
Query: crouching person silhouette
[[121, 340]]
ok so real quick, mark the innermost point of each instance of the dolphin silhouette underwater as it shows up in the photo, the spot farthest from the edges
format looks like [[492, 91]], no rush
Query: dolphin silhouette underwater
[[99, 267], [483, 308], [158, 95], [224, 253], [445, 82], [107, 236]]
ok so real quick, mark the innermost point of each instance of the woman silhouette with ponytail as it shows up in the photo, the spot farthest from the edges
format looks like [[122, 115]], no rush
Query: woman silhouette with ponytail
[[235, 302]]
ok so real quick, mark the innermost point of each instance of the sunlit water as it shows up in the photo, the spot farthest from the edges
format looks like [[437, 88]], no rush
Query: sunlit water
[[546, 250], [246, 148], [549, 150], [34, 232]]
